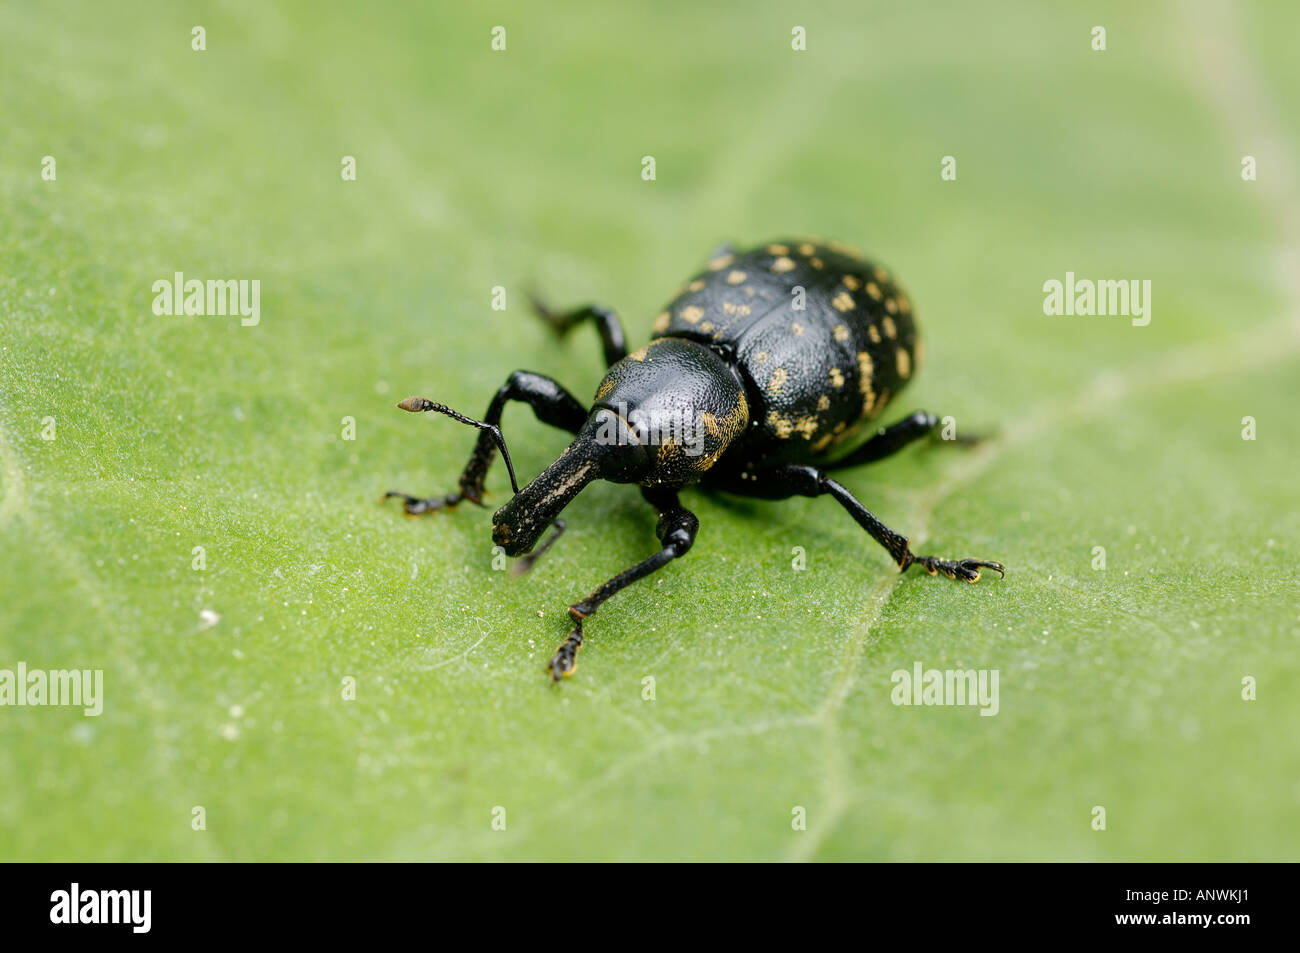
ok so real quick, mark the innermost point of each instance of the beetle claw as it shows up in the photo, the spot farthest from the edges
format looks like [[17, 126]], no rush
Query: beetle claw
[[964, 570], [565, 661]]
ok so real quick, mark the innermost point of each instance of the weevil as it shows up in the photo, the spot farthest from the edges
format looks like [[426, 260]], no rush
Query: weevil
[[763, 375]]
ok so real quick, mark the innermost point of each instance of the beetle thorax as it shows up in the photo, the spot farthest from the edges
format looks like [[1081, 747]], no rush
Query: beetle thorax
[[681, 401]]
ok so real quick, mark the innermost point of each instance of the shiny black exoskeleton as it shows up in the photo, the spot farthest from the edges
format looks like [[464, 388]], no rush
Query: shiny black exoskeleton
[[763, 374]]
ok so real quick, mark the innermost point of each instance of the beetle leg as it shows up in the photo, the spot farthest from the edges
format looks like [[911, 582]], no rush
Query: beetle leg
[[798, 480], [676, 530], [551, 403], [419, 505], [887, 441], [607, 323]]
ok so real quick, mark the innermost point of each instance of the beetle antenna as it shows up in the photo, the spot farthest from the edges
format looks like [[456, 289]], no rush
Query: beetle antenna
[[417, 405]]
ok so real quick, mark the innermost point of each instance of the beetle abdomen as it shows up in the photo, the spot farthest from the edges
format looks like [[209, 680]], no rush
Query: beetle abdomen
[[824, 339]]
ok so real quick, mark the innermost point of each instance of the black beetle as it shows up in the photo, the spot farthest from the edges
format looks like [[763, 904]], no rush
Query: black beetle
[[760, 378]]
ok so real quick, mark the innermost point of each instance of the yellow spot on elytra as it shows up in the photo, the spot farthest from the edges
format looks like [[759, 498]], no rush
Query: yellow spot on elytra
[[807, 248], [866, 378], [866, 369], [806, 426], [837, 377], [817, 263], [760, 357], [823, 402], [697, 285], [781, 424], [711, 424], [904, 362], [797, 328], [823, 443], [891, 330], [843, 301], [891, 306], [605, 387], [691, 314], [840, 332], [843, 434], [839, 427], [778, 249], [661, 322], [639, 353], [904, 305], [776, 383], [706, 326], [722, 261], [873, 290], [782, 265], [736, 278], [730, 307], [873, 332], [881, 275], [852, 283]]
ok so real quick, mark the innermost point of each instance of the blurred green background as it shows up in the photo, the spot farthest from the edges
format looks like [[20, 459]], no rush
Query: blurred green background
[[1119, 688]]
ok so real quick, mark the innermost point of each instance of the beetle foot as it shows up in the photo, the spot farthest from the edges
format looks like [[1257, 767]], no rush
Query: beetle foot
[[967, 570], [565, 661], [417, 506]]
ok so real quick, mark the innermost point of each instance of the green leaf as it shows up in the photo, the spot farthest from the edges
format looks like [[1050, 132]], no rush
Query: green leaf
[[224, 686]]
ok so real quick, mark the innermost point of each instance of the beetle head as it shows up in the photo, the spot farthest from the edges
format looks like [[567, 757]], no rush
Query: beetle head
[[681, 401]]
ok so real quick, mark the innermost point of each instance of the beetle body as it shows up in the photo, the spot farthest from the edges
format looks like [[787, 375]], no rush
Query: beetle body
[[762, 375], [822, 339]]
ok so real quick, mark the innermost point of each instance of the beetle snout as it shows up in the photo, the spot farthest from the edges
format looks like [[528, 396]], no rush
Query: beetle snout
[[504, 536], [523, 519]]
